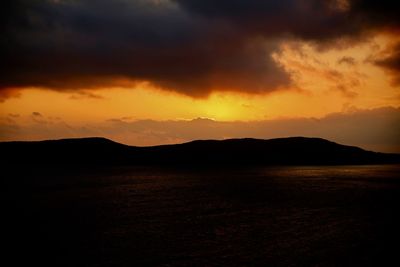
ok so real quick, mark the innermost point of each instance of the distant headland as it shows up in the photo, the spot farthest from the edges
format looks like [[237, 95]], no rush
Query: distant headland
[[230, 152]]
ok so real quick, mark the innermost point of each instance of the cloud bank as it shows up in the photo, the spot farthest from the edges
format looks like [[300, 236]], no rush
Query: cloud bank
[[188, 46]]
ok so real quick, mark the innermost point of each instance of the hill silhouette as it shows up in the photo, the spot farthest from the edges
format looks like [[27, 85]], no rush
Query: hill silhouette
[[247, 151]]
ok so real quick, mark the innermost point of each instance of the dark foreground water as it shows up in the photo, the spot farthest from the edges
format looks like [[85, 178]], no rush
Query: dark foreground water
[[281, 216]]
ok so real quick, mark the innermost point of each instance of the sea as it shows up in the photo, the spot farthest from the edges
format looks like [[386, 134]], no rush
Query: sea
[[163, 216]]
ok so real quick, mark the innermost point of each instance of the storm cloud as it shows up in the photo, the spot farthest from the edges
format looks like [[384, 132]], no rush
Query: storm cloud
[[191, 47]]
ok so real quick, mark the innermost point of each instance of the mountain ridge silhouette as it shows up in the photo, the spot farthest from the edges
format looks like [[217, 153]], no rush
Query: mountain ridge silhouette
[[235, 152]]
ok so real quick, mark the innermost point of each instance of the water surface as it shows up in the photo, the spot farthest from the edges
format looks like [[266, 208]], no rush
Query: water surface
[[148, 216]]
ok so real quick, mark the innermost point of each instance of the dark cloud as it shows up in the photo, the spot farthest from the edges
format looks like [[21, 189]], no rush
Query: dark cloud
[[36, 114], [85, 94], [6, 93], [82, 44], [392, 63], [376, 14], [304, 18], [347, 60], [13, 115], [310, 20], [189, 46]]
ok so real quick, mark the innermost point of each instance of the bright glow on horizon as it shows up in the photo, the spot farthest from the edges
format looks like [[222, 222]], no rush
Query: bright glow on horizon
[[324, 82]]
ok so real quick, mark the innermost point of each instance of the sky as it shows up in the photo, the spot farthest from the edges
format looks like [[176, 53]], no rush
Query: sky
[[150, 72]]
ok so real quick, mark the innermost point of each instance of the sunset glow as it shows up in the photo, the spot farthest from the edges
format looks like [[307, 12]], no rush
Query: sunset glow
[[265, 76], [200, 132]]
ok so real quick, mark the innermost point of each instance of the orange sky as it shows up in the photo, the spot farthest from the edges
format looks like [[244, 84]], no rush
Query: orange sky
[[188, 62], [322, 85]]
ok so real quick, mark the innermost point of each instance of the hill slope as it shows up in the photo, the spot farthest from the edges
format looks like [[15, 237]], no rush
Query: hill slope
[[281, 151]]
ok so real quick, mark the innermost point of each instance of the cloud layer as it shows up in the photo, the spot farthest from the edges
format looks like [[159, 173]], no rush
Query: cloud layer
[[375, 129], [188, 46]]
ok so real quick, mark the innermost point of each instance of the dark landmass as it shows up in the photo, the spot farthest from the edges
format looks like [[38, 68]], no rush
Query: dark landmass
[[93, 202], [281, 151]]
